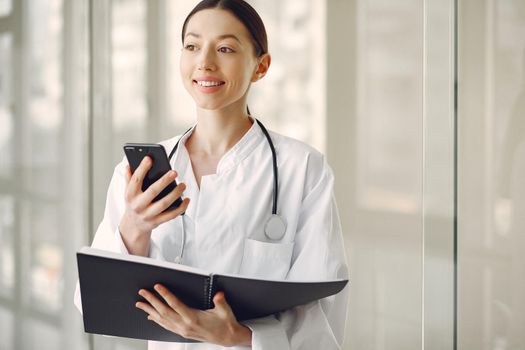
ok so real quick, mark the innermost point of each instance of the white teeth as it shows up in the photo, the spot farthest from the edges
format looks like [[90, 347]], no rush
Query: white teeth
[[209, 83]]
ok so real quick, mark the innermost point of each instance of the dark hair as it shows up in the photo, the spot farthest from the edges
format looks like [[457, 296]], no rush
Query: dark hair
[[244, 13]]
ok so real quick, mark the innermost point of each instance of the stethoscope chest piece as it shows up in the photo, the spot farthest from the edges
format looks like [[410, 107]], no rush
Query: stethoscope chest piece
[[275, 228]]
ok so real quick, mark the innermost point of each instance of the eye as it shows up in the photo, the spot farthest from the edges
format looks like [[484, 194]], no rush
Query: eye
[[225, 49], [189, 47]]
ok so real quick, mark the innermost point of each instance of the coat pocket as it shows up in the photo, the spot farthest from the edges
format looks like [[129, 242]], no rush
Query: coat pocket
[[266, 260]]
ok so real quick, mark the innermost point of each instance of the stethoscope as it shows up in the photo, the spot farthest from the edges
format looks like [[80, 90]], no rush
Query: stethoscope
[[275, 226]]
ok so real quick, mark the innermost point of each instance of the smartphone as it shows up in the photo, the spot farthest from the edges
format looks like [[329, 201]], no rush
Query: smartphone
[[135, 152]]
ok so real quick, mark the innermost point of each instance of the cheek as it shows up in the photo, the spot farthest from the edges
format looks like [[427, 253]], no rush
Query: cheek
[[243, 74], [250, 69]]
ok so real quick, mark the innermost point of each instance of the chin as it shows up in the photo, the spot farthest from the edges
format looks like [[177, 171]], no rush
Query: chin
[[211, 103], [209, 106]]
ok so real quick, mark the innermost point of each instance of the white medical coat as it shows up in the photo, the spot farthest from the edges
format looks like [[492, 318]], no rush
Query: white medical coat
[[224, 225]]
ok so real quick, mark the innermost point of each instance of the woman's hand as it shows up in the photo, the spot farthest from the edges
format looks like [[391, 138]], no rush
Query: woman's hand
[[142, 215], [217, 325]]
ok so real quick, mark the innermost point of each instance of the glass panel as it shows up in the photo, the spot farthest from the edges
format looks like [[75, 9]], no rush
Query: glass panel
[[7, 259], [46, 258], [6, 117], [291, 96], [6, 168], [41, 335], [45, 97], [119, 88], [129, 72], [389, 101], [381, 150], [42, 200], [438, 184], [5, 7], [491, 175], [46, 118], [6, 329], [7, 202]]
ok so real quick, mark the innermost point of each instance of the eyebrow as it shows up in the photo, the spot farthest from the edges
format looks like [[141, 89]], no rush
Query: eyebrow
[[220, 37]]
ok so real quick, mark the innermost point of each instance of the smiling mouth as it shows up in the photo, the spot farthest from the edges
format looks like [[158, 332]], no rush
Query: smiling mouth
[[208, 83]]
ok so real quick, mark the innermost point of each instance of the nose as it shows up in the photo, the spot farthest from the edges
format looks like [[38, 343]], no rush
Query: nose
[[206, 60]]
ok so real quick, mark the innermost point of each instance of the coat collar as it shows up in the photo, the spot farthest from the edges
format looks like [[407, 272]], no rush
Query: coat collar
[[182, 164]]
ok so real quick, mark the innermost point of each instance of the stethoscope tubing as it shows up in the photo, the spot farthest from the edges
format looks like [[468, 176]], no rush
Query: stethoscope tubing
[[270, 235], [274, 162], [275, 168]]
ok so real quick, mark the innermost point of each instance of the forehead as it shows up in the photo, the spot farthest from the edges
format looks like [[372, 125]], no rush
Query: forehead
[[211, 23]]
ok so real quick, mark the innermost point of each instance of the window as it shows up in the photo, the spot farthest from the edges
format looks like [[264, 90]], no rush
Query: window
[[5, 7], [43, 108]]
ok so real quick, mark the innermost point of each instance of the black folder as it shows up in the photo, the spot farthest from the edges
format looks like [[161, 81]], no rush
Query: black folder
[[109, 284]]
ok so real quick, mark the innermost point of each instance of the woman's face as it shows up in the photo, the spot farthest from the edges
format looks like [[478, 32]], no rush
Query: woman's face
[[218, 60]]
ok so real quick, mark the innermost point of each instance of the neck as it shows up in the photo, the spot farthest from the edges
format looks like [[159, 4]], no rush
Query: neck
[[218, 130]]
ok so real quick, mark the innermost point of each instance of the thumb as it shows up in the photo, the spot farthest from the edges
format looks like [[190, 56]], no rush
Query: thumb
[[220, 302], [219, 299]]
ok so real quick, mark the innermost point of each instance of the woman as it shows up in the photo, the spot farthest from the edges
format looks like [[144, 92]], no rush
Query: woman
[[224, 170]]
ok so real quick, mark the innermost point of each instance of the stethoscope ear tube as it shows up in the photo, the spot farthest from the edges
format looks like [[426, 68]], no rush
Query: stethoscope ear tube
[[172, 153]]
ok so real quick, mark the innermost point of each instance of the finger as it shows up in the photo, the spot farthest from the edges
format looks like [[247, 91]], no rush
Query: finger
[[135, 185], [160, 321], [154, 316], [164, 323], [178, 306], [159, 206], [147, 308], [128, 174], [172, 214], [159, 185], [162, 309]]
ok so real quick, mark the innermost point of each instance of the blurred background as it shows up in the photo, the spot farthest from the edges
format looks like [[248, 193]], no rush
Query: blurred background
[[418, 104]]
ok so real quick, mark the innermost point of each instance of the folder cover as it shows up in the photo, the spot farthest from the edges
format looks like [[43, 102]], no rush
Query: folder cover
[[109, 285]]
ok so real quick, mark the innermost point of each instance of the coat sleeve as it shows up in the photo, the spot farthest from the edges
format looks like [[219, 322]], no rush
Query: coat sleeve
[[318, 254], [107, 236]]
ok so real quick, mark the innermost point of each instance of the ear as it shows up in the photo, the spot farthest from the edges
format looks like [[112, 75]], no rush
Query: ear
[[262, 67]]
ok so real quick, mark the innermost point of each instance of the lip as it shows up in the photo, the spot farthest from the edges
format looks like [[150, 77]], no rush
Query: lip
[[206, 78], [207, 89]]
